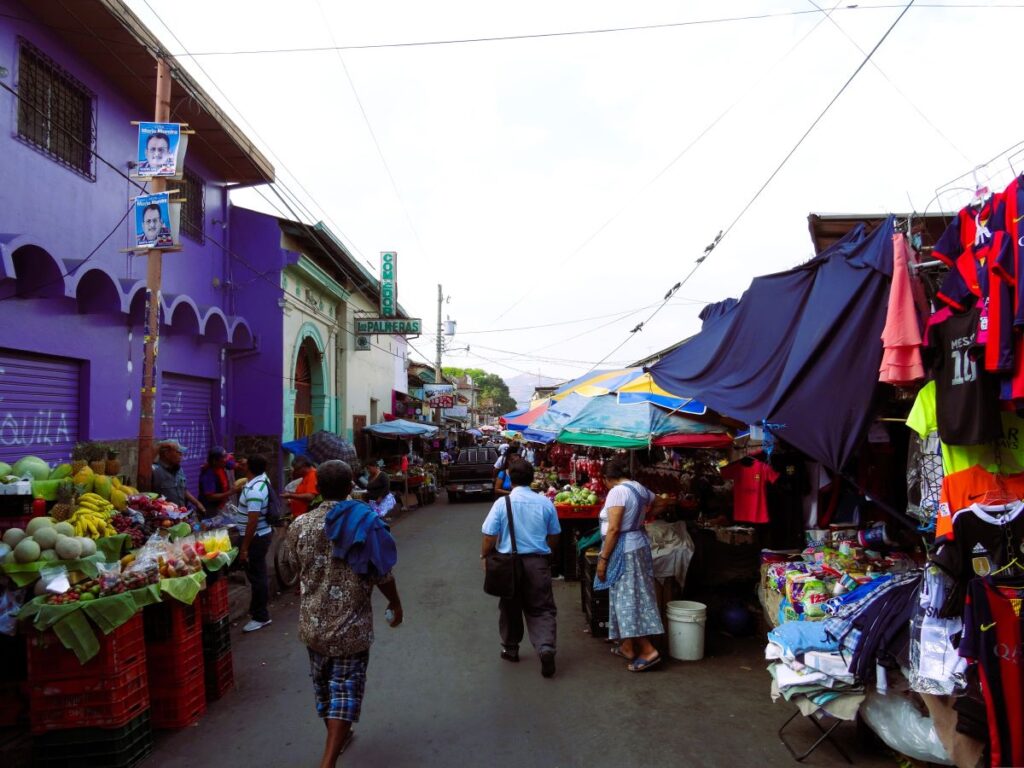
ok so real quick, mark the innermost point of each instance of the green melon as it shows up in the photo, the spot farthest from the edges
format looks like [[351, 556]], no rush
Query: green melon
[[27, 551], [31, 466], [5, 469], [62, 471]]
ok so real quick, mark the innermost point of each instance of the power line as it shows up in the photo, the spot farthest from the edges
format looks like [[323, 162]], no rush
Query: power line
[[270, 151], [584, 32], [721, 235], [755, 87], [373, 134], [898, 90]]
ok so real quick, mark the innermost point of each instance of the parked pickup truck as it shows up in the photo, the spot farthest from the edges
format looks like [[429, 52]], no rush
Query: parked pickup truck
[[472, 474]]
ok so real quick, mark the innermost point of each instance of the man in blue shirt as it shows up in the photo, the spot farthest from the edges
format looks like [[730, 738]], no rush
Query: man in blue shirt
[[537, 529]]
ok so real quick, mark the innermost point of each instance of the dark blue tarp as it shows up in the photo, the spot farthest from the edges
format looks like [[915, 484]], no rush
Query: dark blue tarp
[[801, 349]]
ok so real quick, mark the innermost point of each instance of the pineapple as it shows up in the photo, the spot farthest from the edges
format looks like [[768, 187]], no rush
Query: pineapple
[[64, 507]]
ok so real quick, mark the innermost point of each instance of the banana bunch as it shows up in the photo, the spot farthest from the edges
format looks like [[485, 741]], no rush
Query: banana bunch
[[92, 516]]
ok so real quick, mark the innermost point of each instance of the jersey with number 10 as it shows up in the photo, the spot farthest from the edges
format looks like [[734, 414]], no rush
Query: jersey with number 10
[[967, 398]]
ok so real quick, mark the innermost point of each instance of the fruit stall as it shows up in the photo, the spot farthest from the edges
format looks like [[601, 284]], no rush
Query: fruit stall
[[113, 614]]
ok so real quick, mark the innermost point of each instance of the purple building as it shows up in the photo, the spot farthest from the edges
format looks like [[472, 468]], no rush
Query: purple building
[[72, 78]]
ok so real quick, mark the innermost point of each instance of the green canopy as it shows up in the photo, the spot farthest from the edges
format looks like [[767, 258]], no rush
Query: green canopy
[[606, 422]]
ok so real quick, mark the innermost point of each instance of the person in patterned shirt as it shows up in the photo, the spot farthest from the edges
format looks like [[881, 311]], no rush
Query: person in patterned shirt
[[335, 613]]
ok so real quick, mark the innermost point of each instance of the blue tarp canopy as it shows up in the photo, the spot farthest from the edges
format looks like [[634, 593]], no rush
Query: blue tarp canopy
[[800, 349], [559, 413], [400, 428], [608, 423]]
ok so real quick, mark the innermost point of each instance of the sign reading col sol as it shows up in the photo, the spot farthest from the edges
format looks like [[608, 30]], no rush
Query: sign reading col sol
[[389, 284]]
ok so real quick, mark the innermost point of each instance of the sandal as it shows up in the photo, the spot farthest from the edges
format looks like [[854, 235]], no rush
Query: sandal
[[617, 650], [642, 665]]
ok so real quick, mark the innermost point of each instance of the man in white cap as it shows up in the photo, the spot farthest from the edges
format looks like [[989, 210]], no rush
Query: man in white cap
[[169, 478]]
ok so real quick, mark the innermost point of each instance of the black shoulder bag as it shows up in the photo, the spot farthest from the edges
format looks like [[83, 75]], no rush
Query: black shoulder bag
[[501, 571]]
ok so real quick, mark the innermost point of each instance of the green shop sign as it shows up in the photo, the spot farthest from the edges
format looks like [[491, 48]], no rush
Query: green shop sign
[[371, 326]]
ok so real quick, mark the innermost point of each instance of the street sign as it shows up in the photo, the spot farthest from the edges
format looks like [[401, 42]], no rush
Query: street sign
[[411, 326], [389, 284], [362, 343]]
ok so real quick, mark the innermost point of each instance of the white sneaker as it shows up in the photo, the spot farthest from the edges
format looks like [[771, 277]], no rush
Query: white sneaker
[[253, 625]]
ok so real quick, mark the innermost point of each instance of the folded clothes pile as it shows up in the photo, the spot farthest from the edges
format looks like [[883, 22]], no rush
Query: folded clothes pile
[[809, 671]]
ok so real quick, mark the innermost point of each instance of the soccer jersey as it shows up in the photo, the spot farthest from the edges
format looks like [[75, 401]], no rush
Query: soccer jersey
[[967, 398], [970, 486], [994, 638], [984, 540], [971, 226], [987, 274], [750, 490]]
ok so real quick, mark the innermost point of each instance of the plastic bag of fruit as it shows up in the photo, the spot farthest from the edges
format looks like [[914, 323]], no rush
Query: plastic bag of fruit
[[110, 579]]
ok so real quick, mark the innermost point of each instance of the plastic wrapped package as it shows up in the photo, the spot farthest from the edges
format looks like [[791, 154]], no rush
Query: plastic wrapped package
[[900, 725], [935, 665]]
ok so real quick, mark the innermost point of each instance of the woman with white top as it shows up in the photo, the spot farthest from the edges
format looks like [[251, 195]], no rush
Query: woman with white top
[[626, 569]]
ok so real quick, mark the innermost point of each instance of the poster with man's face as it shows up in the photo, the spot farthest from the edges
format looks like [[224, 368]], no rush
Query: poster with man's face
[[155, 225], [161, 151]]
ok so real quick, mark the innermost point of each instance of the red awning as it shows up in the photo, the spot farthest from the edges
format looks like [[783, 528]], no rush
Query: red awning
[[713, 440]]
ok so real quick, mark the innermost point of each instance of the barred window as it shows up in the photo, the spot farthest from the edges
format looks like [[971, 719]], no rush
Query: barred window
[[55, 111], [193, 210]]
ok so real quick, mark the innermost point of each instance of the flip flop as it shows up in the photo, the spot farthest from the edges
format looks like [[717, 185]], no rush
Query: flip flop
[[642, 665], [617, 650]]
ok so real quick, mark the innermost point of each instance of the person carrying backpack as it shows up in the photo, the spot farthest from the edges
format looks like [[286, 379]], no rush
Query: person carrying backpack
[[254, 520]]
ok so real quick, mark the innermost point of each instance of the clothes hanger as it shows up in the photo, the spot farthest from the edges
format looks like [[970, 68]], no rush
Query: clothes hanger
[[982, 193]]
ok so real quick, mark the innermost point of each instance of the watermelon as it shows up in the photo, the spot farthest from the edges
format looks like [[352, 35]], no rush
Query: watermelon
[[31, 466], [5, 469]]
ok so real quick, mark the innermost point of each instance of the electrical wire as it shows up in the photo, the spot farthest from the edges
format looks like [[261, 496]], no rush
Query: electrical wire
[[754, 88], [278, 162], [721, 235], [910, 102], [585, 32], [369, 127]]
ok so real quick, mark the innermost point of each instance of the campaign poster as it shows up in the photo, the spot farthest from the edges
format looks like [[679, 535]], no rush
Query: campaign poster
[[156, 221], [161, 151]]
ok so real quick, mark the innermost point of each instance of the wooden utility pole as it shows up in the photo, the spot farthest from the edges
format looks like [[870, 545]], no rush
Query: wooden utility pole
[[151, 330], [440, 344]]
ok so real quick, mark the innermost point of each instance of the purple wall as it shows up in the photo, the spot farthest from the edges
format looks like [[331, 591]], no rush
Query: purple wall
[[51, 216], [256, 380]]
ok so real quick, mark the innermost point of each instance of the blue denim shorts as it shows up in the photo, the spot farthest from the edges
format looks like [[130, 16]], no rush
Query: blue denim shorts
[[339, 682]]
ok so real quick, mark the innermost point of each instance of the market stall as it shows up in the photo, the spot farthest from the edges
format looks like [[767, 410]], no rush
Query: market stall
[[408, 471], [115, 605]]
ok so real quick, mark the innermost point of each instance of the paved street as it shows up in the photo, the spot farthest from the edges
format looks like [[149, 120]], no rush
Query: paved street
[[439, 695]]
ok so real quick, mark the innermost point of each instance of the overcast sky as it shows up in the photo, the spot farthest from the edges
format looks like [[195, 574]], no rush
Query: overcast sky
[[523, 167]]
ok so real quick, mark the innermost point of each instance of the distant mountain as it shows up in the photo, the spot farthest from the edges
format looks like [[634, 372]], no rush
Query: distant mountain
[[521, 387]]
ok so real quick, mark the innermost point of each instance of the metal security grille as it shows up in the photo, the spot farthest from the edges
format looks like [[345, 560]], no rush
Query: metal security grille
[[39, 406], [187, 415], [55, 111], [193, 210]]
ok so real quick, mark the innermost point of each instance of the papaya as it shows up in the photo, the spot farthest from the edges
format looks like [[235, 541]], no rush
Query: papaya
[[84, 479], [118, 499], [101, 485]]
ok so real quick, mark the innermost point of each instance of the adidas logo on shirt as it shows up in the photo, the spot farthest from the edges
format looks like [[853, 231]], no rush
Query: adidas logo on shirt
[[979, 549]]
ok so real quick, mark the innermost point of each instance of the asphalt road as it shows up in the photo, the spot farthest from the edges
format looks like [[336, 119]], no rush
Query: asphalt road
[[438, 695]]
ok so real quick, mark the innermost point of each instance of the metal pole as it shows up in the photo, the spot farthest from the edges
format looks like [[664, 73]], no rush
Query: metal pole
[[154, 278], [440, 341]]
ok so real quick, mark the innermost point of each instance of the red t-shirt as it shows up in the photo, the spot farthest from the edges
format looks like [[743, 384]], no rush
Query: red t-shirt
[[306, 485], [750, 490]]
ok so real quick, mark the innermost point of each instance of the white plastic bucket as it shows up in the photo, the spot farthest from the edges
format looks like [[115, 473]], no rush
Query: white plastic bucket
[[686, 621]]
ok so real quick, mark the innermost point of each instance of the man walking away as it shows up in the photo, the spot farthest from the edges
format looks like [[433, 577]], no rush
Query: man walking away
[[537, 529], [340, 549], [256, 536]]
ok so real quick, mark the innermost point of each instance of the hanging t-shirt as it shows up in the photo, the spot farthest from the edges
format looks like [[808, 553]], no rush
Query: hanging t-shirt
[[986, 273], [970, 486], [994, 638], [923, 419], [750, 490], [984, 540], [971, 226], [967, 398]]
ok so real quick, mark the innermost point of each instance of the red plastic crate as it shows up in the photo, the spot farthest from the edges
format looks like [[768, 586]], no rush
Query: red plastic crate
[[220, 676], [213, 602], [179, 706], [13, 703], [170, 662], [568, 511], [20, 521], [170, 622], [89, 702], [48, 659]]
